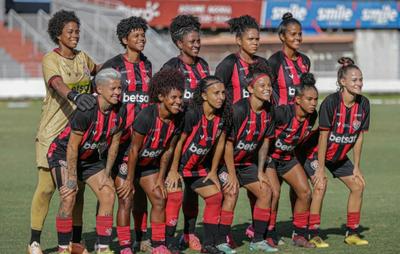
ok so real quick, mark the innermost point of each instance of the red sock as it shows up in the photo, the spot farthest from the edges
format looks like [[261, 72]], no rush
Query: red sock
[[212, 209], [300, 220], [353, 220], [104, 226], [272, 221], [314, 221], [174, 203], [226, 217], [158, 231], [140, 221], [261, 214], [124, 235], [64, 225]]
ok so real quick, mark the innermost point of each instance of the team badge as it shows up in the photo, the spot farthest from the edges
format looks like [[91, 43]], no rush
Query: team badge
[[314, 164], [123, 169], [223, 177], [356, 124]]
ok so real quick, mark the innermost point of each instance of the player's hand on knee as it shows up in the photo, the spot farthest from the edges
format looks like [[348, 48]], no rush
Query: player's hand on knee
[[125, 189]]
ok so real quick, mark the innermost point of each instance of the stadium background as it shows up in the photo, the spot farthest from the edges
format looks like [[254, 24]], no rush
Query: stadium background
[[367, 31]]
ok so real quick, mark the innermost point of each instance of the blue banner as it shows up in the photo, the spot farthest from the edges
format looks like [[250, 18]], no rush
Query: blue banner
[[317, 14]]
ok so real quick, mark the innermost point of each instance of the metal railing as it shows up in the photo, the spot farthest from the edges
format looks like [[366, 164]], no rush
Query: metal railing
[[27, 31]]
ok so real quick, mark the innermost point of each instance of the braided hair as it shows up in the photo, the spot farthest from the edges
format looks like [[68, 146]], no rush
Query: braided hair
[[182, 25], [241, 24]]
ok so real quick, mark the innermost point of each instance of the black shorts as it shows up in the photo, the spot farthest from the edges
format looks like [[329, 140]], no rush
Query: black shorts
[[145, 171], [281, 166], [85, 169], [340, 168], [245, 174], [196, 182]]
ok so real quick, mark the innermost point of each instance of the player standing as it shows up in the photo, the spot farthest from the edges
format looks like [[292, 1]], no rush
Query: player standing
[[344, 117], [288, 64], [185, 33], [136, 72], [79, 151], [235, 67], [66, 73]]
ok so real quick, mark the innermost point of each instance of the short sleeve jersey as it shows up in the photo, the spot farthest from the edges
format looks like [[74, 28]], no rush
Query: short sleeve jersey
[[135, 79], [343, 123], [289, 132], [56, 110], [249, 131], [202, 135], [287, 73], [97, 128], [157, 135], [233, 71], [193, 73]]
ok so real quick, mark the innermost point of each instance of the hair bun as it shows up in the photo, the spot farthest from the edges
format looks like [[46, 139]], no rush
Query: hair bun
[[307, 79], [345, 61], [287, 16]]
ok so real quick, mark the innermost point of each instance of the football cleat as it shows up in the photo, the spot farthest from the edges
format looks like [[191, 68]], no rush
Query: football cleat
[[355, 239], [319, 242], [34, 248]]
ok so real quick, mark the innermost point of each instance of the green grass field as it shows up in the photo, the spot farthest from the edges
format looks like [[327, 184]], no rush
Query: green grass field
[[380, 214]]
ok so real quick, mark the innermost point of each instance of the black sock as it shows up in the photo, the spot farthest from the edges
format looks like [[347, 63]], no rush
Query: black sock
[[224, 231], [35, 236], [210, 234], [352, 231], [155, 244], [169, 234], [64, 238], [189, 225], [76, 234], [300, 231], [313, 232], [259, 230], [139, 235]]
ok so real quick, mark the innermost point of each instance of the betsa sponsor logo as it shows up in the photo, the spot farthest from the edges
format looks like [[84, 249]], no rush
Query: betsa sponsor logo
[[339, 139], [132, 98], [246, 146], [197, 150], [151, 154], [280, 145]]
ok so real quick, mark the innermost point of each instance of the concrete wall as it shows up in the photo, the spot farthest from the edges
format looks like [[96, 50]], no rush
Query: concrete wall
[[378, 53]]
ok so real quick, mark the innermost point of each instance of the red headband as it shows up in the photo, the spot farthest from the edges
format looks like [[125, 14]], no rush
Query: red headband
[[257, 78]]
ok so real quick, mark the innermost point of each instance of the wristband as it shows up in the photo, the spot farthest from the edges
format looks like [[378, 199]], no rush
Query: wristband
[[72, 95]]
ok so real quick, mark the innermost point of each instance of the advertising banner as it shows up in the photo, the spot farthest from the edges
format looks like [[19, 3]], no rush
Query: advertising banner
[[212, 14], [317, 14]]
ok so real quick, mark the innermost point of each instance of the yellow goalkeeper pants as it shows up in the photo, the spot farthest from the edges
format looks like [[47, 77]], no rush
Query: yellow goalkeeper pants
[[41, 200]]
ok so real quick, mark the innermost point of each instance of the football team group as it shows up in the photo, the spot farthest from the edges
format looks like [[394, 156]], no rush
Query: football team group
[[183, 133]]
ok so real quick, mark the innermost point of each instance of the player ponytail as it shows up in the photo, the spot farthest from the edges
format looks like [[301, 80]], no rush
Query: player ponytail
[[239, 25], [307, 81], [182, 25], [197, 103], [164, 81], [287, 19], [346, 64]]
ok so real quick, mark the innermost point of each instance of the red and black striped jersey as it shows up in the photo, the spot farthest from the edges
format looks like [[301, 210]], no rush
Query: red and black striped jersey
[[287, 75], [233, 71], [343, 123], [202, 135], [289, 132], [135, 79], [249, 131], [157, 134], [193, 73], [98, 129]]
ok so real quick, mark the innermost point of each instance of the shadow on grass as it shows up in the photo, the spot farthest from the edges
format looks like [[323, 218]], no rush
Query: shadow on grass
[[284, 228]]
